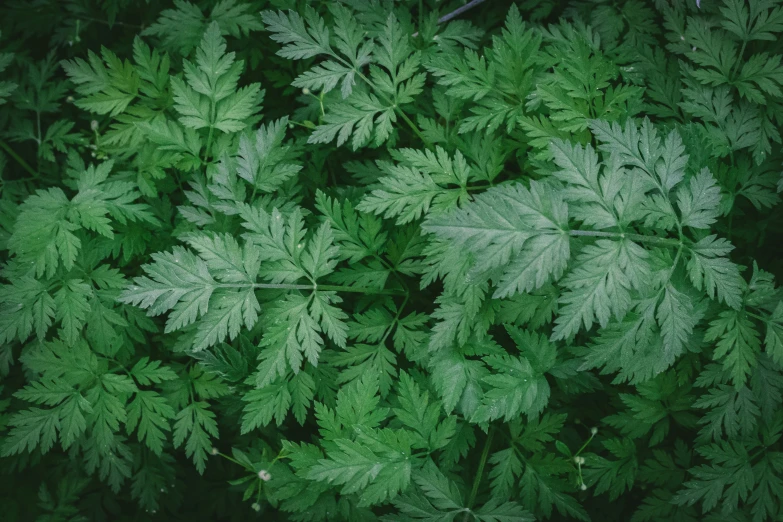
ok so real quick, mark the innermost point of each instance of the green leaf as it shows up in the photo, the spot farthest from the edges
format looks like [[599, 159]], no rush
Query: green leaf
[[738, 344], [376, 468], [506, 469], [726, 480], [151, 413], [197, 424], [302, 37], [148, 372], [263, 159], [419, 415], [521, 231], [600, 285], [107, 89], [708, 269], [699, 203], [181, 28], [613, 476], [209, 96], [32, 428], [495, 511]]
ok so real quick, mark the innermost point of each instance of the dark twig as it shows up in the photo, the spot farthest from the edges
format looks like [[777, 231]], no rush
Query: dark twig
[[470, 5], [445, 18]]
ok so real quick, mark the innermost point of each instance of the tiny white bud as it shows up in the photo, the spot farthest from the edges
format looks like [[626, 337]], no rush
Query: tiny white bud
[[579, 460], [593, 430], [682, 38], [256, 506], [94, 125], [264, 475], [305, 91], [215, 451], [69, 99], [584, 487]]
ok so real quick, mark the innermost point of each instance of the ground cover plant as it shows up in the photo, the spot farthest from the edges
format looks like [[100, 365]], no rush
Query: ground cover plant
[[345, 260]]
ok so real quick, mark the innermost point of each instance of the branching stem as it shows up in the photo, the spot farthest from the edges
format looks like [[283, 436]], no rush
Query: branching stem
[[455, 13], [479, 472], [26, 166], [622, 235], [326, 288]]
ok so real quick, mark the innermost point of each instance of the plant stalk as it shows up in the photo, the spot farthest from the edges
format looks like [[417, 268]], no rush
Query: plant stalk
[[479, 472], [326, 288], [26, 166]]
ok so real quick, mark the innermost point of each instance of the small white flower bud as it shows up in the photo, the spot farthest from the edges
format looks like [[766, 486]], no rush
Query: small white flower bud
[[579, 460], [69, 99], [593, 430], [214, 451], [264, 475], [305, 91], [94, 125], [583, 487], [256, 506]]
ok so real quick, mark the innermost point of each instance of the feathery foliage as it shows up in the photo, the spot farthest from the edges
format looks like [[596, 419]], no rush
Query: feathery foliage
[[316, 261]]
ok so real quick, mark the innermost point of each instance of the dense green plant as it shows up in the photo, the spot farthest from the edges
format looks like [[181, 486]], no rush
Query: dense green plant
[[318, 261]]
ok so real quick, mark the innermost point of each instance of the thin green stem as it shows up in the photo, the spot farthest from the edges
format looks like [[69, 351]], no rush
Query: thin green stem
[[356, 290], [232, 460], [478, 187], [622, 235], [394, 322], [38, 127], [761, 318], [208, 145], [19, 160], [758, 452], [326, 288], [212, 116], [739, 60], [585, 444], [480, 470], [412, 125]]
